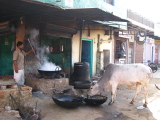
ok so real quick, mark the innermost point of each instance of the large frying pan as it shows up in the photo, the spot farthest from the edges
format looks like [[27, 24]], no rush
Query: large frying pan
[[95, 100], [67, 100], [49, 73]]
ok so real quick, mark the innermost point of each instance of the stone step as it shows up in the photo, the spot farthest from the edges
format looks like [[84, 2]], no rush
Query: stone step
[[7, 82], [3, 87]]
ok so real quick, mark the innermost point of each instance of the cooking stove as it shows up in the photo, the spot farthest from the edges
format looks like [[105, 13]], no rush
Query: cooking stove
[[45, 83]]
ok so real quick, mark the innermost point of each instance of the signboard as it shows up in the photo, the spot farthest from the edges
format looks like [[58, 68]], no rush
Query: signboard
[[124, 35]]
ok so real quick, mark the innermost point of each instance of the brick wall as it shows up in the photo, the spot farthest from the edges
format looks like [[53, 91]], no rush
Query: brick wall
[[21, 96], [139, 53]]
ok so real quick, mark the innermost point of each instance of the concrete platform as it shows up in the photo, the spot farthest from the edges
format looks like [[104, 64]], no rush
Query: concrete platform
[[46, 85]]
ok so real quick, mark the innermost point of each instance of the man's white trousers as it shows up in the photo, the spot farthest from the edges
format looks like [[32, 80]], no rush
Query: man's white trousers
[[19, 77]]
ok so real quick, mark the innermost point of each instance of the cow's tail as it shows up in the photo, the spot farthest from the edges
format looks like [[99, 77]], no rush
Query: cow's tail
[[157, 87], [155, 83]]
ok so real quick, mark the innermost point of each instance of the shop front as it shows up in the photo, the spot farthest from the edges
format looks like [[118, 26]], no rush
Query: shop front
[[120, 51]]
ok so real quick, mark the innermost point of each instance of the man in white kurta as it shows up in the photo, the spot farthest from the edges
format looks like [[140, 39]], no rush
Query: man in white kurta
[[18, 63]]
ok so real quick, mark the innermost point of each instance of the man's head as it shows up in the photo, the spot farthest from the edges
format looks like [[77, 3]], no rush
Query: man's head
[[20, 45]]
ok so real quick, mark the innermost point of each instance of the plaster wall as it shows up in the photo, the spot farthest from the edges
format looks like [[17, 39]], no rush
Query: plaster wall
[[103, 45], [148, 54]]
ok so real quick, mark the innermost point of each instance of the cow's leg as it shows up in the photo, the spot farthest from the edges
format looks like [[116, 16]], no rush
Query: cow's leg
[[146, 95], [113, 93], [138, 87]]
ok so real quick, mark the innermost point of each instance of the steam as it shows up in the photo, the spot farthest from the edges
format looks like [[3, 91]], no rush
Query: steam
[[42, 63], [45, 64], [49, 66]]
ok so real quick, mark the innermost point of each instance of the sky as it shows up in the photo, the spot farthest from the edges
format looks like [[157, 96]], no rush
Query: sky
[[147, 8]]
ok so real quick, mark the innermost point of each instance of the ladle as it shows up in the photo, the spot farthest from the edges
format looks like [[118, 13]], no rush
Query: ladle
[[31, 46], [34, 51]]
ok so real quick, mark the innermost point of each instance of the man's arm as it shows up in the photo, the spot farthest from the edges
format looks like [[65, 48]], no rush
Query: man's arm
[[15, 66], [29, 51]]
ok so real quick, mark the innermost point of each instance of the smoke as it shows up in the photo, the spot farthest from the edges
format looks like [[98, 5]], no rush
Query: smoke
[[40, 52]]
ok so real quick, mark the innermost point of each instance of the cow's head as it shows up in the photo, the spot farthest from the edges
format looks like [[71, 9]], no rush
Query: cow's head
[[94, 90]]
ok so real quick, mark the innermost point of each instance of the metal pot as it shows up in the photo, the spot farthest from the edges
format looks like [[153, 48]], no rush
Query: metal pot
[[67, 101], [95, 100], [49, 73], [83, 84]]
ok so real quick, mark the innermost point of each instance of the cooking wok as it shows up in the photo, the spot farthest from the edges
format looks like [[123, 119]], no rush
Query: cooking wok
[[95, 100], [49, 73], [67, 100]]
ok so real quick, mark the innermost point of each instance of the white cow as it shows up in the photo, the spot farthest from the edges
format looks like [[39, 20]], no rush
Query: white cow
[[126, 74]]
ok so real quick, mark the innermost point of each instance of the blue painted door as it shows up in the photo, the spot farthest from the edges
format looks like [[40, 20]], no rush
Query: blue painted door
[[87, 52]]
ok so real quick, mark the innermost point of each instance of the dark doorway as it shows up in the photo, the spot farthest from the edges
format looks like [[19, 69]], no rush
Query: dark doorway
[[87, 51]]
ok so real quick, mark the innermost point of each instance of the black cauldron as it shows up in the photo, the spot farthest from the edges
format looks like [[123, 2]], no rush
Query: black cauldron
[[83, 84], [67, 101], [95, 100], [49, 73]]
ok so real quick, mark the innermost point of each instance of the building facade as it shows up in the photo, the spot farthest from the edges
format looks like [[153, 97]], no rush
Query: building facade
[[67, 31]]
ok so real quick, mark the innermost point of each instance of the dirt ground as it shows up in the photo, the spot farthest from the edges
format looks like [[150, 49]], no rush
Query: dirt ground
[[120, 110]]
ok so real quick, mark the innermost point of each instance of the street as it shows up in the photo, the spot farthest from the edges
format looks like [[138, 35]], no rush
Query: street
[[120, 110]]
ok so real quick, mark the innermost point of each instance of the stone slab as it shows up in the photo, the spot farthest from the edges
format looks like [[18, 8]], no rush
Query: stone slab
[[7, 82]]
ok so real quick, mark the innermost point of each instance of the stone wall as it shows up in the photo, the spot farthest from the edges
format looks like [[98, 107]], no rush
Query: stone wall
[[46, 85], [19, 96]]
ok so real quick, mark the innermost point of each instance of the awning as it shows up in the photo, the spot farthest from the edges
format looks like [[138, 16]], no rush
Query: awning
[[154, 37], [120, 25], [20, 8], [93, 14], [12, 10]]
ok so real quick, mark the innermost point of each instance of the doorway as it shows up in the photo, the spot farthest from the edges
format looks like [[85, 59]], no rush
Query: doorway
[[87, 52], [6, 54]]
